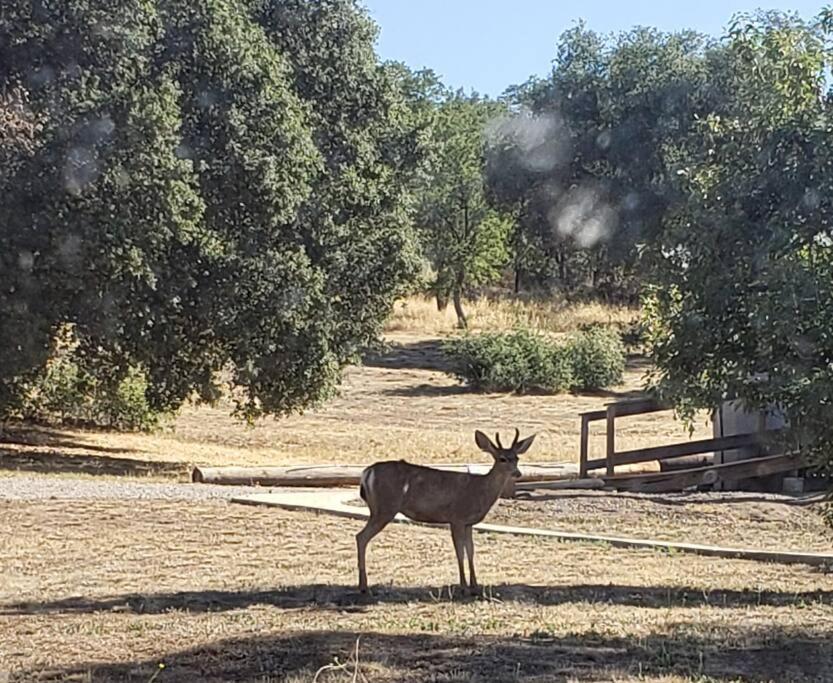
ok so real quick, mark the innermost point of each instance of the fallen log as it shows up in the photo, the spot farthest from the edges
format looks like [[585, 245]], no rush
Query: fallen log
[[278, 476], [349, 475], [686, 462]]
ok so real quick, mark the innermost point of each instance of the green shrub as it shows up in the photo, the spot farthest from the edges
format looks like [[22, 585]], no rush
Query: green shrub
[[597, 358], [634, 334], [64, 392], [524, 361], [514, 361]]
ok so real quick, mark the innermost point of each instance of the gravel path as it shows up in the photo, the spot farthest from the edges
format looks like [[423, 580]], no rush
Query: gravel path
[[46, 488]]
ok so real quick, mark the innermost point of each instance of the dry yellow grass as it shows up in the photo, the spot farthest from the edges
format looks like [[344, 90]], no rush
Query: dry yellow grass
[[419, 315], [102, 591], [398, 405]]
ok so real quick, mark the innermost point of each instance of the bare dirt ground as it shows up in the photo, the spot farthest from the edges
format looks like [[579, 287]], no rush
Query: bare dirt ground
[[125, 576], [736, 520], [100, 590], [399, 404], [731, 519]]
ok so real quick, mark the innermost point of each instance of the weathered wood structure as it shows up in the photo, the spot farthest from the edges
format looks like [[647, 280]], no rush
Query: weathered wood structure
[[729, 461]]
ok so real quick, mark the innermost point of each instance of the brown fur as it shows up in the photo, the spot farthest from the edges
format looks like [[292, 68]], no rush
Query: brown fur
[[425, 494]]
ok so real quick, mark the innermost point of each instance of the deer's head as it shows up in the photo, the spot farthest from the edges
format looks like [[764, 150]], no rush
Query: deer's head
[[505, 458]]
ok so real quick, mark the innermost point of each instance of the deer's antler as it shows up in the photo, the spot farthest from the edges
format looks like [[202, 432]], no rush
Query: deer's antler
[[517, 435], [497, 440]]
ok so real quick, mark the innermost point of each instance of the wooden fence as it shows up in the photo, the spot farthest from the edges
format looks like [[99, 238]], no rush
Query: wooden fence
[[629, 457]]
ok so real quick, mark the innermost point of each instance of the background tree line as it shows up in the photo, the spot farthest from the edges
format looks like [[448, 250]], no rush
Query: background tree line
[[236, 191], [691, 174]]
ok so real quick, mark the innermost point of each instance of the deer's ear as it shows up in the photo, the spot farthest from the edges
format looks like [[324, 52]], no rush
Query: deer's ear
[[484, 443], [523, 446]]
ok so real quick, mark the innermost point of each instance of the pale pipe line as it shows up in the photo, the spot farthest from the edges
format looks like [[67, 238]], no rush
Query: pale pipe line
[[334, 503]]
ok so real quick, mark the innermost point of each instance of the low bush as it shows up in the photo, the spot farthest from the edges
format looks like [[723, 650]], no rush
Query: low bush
[[509, 361], [64, 392], [597, 358], [523, 361]]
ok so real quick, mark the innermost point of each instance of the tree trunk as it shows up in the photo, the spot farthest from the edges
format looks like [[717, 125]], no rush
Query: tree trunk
[[442, 300], [457, 295]]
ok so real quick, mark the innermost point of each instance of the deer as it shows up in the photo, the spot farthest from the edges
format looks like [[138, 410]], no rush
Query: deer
[[426, 494]]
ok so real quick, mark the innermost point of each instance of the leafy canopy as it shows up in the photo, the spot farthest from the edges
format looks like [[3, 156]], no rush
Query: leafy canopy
[[197, 187]]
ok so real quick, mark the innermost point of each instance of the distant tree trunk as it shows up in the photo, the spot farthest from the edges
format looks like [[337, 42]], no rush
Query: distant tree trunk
[[462, 322], [518, 260], [442, 300], [457, 296], [517, 274]]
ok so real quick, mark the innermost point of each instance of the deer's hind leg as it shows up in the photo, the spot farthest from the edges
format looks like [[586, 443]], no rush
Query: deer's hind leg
[[380, 517]]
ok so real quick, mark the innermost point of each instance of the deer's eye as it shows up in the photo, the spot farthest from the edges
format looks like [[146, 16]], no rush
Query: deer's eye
[[503, 458]]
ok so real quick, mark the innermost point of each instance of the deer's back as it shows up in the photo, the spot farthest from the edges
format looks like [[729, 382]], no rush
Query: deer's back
[[423, 493]]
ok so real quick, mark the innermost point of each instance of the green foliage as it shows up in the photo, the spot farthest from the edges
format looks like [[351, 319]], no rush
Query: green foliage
[[740, 302], [597, 358], [66, 392], [516, 361], [524, 361], [465, 239], [201, 186], [581, 162]]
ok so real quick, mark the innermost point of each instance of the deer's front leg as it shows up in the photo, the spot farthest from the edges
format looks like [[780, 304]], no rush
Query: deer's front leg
[[473, 587], [458, 535]]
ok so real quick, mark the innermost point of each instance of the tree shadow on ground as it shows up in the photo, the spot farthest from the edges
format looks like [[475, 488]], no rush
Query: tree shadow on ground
[[421, 355], [39, 459], [429, 390], [33, 434], [347, 598], [763, 654], [51, 449]]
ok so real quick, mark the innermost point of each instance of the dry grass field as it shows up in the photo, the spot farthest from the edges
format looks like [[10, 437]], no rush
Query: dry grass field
[[172, 590], [103, 591], [398, 404]]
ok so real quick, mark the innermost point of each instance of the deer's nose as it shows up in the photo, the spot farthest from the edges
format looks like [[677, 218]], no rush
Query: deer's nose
[[516, 472]]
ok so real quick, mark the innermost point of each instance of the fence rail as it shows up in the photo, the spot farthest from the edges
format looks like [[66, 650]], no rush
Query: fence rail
[[630, 457]]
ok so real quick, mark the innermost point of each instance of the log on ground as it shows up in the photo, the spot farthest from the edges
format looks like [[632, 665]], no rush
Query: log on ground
[[349, 475]]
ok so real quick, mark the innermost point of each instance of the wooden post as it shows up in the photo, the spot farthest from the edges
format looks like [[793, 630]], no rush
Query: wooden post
[[611, 437], [583, 447]]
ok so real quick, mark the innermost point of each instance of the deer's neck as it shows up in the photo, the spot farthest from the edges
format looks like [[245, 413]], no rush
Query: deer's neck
[[493, 484]]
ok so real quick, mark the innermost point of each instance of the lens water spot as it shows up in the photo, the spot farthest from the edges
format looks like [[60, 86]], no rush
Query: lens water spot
[[26, 260], [80, 170]]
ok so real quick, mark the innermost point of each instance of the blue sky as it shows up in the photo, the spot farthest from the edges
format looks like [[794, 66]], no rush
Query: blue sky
[[490, 44]]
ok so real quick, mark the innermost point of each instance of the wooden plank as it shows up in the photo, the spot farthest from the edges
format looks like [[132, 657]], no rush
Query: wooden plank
[[626, 408], [331, 504], [682, 449], [691, 448], [611, 440], [584, 440], [585, 483], [663, 482], [637, 407]]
